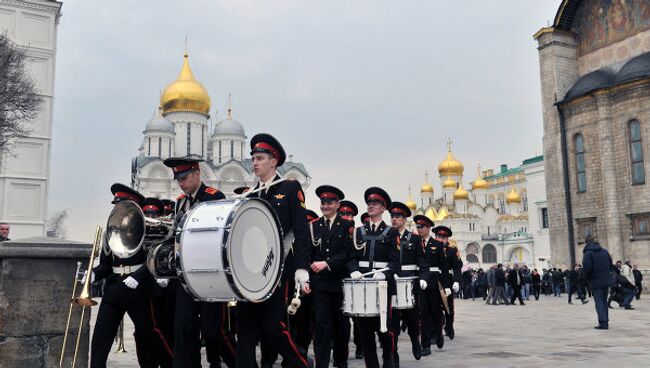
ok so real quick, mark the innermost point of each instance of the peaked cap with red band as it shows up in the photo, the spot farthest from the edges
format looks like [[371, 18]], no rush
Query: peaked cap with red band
[[169, 206], [153, 204], [123, 193], [423, 220], [241, 190], [311, 215], [266, 143], [377, 194], [399, 208], [365, 217], [329, 193], [182, 166], [348, 207], [442, 231]]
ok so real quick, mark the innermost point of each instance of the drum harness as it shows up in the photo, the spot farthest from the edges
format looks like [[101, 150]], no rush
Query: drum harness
[[373, 240]]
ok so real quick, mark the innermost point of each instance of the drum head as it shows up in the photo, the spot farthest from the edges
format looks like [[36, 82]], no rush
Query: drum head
[[254, 250]]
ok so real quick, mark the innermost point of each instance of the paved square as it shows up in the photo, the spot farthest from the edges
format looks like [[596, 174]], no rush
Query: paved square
[[544, 333]]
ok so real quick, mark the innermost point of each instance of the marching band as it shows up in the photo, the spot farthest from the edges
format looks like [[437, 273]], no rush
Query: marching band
[[288, 277]]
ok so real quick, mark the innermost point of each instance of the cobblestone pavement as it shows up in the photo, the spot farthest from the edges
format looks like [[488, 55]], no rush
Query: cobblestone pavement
[[544, 333]]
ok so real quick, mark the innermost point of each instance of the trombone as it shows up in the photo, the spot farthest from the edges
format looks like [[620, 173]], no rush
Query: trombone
[[84, 299]]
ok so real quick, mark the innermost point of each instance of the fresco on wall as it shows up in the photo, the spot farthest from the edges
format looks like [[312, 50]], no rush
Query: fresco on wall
[[603, 22]]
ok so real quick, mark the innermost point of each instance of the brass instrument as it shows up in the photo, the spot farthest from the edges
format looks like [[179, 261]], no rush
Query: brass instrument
[[84, 299]]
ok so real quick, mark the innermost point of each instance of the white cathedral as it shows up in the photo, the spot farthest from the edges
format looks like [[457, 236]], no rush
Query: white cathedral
[[180, 127], [503, 218]]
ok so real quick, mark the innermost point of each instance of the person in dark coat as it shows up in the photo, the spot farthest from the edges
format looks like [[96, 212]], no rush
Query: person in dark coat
[[537, 282], [597, 265], [515, 280], [499, 283], [638, 278]]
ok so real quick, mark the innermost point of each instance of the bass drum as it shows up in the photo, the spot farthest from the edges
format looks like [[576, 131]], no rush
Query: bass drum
[[230, 250]]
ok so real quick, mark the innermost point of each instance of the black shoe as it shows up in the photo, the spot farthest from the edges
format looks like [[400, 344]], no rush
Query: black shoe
[[416, 347], [629, 308], [440, 341], [396, 360], [570, 303], [522, 303], [426, 351], [358, 354], [602, 327], [449, 331], [585, 301]]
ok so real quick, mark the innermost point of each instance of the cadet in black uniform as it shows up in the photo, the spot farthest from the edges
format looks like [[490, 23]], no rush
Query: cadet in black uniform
[[195, 320], [455, 263], [348, 211], [128, 289], [411, 259], [162, 301], [376, 248], [431, 281], [265, 320], [330, 255]]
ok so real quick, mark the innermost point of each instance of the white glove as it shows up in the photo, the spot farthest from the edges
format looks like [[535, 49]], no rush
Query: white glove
[[301, 277], [395, 277], [379, 276], [456, 287], [448, 291], [92, 277], [356, 275], [130, 282], [423, 284], [162, 282]]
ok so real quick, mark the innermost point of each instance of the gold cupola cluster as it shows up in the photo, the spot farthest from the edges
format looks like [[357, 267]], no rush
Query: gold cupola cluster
[[185, 94], [461, 194]]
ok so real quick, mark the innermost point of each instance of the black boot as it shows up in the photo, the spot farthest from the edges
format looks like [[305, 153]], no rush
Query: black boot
[[426, 351], [440, 341], [416, 347], [449, 331]]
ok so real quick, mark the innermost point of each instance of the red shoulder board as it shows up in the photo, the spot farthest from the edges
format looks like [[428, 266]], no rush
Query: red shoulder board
[[301, 196], [211, 191], [181, 196]]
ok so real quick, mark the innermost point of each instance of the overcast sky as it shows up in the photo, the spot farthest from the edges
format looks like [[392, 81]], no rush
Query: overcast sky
[[364, 93]]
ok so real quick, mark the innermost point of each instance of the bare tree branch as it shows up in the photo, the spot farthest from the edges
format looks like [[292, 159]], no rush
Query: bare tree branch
[[19, 101]]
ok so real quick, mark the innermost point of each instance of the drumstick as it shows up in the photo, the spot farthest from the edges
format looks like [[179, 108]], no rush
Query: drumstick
[[374, 272], [246, 194]]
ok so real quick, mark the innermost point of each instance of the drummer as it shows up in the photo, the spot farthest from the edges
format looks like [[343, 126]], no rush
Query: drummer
[[443, 233], [265, 320], [195, 321], [412, 263], [330, 254], [375, 249], [433, 296]]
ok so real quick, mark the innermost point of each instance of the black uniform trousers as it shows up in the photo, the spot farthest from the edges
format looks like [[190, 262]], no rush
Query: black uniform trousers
[[162, 310], [265, 321], [411, 318], [300, 324], [432, 310], [194, 321], [449, 316], [368, 327], [332, 328], [119, 299]]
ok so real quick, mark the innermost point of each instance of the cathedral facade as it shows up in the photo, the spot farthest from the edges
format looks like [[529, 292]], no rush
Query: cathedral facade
[[595, 81], [180, 127], [501, 217]]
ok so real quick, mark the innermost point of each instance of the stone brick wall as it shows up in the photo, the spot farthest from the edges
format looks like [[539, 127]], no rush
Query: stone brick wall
[[36, 280]]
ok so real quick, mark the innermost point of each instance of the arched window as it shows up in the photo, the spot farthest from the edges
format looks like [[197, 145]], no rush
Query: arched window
[[581, 175], [636, 152], [472, 258], [489, 254]]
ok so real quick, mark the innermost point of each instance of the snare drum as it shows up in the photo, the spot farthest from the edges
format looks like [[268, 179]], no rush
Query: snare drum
[[361, 297], [404, 298], [230, 250]]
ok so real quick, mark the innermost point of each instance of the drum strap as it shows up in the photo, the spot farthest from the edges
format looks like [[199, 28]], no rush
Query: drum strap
[[373, 240]]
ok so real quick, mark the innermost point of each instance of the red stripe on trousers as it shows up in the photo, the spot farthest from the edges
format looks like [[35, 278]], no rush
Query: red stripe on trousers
[[156, 330]]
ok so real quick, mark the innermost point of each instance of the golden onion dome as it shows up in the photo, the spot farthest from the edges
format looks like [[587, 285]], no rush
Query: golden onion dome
[[411, 204], [513, 197], [449, 184], [185, 93], [426, 188], [461, 194], [450, 166], [480, 183]]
